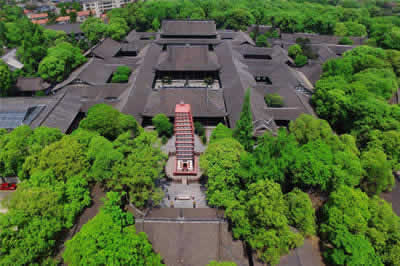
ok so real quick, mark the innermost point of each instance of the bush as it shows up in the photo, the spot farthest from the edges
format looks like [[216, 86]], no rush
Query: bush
[[346, 41], [199, 129], [262, 41], [162, 125], [295, 50], [301, 60], [208, 80], [273, 100], [166, 80], [121, 75], [164, 140], [204, 139]]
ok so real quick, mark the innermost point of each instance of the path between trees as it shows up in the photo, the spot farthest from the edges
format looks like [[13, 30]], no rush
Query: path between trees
[[96, 194]]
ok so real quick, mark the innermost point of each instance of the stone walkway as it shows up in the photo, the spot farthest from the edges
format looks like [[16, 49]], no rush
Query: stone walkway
[[176, 190]]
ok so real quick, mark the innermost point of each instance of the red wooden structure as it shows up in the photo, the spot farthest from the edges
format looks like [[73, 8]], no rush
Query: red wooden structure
[[184, 141]]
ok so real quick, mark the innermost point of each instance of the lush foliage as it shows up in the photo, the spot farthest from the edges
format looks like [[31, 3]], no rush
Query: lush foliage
[[60, 61], [33, 44], [121, 75], [274, 100], [110, 238], [260, 212], [40, 208], [244, 126], [6, 79], [162, 125], [108, 122], [56, 171], [140, 168], [352, 96], [362, 230]]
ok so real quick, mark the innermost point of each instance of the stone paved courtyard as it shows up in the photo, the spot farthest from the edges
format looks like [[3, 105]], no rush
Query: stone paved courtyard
[[175, 189]]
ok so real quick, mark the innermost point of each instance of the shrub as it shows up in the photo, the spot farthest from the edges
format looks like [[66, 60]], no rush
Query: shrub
[[204, 139], [273, 100], [346, 41], [164, 140], [295, 50], [208, 80], [166, 80], [163, 126], [301, 60], [262, 41], [199, 129], [121, 75]]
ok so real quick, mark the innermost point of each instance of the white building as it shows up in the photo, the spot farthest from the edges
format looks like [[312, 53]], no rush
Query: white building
[[102, 6]]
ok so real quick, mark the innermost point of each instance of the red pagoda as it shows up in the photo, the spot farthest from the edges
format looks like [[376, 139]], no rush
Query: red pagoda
[[184, 141]]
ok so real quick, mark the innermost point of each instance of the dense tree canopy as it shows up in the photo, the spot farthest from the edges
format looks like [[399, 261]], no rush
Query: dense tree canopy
[[108, 122], [162, 125], [244, 126], [6, 79], [110, 238], [57, 171]]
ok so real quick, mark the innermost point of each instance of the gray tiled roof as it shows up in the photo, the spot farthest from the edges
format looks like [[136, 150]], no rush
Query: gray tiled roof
[[187, 28], [203, 102], [30, 84], [188, 58], [107, 48]]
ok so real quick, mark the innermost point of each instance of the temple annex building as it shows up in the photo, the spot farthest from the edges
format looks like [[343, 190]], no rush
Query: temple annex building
[[187, 61]]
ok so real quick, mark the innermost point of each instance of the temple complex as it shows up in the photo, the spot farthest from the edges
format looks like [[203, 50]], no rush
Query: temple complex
[[189, 61]]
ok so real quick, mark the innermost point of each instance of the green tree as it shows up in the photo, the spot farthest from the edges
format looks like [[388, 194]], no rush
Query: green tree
[[301, 60], [137, 173], [295, 50], [106, 242], [346, 41], [262, 41], [6, 79], [156, 24], [378, 172], [72, 16], [14, 150], [108, 122], [199, 128], [264, 209], [102, 157], [221, 163], [94, 29], [162, 125], [117, 28], [243, 131], [65, 157], [52, 69], [274, 100], [220, 132], [300, 212], [307, 128], [121, 75]]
